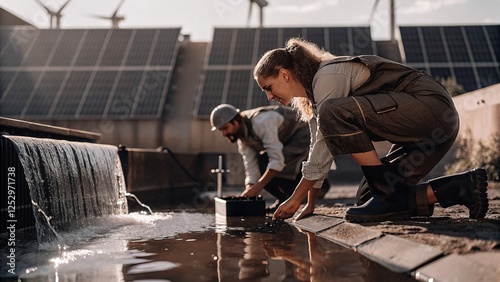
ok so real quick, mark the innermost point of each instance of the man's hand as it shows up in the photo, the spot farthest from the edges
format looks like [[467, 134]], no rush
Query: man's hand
[[287, 209], [251, 190]]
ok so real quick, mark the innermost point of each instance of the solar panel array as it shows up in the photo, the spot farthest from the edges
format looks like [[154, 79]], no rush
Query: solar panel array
[[233, 53], [470, 54], [85, 73]]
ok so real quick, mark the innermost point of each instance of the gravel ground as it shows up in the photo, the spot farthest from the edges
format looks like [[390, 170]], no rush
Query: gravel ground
[[450, 229]]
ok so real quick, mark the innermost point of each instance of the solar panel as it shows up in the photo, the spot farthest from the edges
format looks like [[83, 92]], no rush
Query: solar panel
[[477, 38], [212, 91], [42, 53], [467, 53], [116, 47], [488, 76], [5, 80], [234, 52], [361, 41], [91, 73], [290, 32], [493, 38], [434, 44], [17, 43], [22, 86], [70, 98], [66, 50], [412, 44], [124, 95], [316, 35], [140, 49], [243, 50], [339, 41], [220, 45], [237, 94], [148, 100], [166, 47], [91, 47], [45, 91], [96, 97], [268, 40], [456, 42]]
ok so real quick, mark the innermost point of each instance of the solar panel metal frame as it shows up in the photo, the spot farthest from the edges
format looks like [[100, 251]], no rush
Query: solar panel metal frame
[[22, 41], [463, 67]]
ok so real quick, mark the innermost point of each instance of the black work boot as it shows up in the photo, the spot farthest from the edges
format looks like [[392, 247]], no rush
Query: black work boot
[[467, 188], [390, 196]]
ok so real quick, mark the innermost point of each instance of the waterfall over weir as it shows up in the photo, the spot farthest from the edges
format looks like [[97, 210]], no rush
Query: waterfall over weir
[[69, 182]]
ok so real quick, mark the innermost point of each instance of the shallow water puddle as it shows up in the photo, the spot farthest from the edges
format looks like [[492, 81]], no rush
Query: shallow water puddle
[[194, 247]]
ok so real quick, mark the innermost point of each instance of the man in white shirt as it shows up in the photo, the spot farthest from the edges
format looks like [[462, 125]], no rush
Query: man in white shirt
[[273, 144]]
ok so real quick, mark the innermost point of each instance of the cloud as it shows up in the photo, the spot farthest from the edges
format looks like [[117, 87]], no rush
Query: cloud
[[310, 7], [426, 6]]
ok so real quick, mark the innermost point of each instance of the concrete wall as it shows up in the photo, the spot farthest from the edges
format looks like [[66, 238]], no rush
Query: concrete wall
[[479, 113]]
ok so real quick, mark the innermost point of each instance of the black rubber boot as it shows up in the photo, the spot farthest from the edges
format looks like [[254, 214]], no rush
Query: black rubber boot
[[390, 196], [468, 188], [363, 193]]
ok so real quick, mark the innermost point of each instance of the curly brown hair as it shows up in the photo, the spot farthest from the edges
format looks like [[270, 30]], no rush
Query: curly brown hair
[[302, 58]]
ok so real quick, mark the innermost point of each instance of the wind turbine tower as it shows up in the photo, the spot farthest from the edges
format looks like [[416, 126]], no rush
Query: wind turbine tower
[[261, 4], [392, 16], [57, 15]]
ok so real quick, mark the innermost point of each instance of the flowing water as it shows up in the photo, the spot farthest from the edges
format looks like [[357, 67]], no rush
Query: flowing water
[[86, 233]]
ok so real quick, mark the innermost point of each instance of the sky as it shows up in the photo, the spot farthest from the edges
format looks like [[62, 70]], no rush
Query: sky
[[198, 18]]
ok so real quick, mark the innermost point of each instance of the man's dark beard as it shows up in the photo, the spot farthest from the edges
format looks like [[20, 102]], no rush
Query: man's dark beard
[[237, 135], [232, 138]]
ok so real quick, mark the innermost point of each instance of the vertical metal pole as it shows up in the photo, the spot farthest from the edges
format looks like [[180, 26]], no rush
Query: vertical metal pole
[[392, 25], [219, 177]]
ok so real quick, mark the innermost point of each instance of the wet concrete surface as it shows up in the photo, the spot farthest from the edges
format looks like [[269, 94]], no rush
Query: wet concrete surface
[[445, 247]]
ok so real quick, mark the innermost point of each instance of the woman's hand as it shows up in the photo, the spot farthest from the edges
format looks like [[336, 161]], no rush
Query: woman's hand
[[287, 209]]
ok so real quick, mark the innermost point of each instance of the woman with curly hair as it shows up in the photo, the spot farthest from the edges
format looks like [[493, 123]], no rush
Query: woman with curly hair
[[351, 101]]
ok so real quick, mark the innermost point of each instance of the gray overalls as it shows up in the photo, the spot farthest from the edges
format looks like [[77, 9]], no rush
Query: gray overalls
[[398, 104]]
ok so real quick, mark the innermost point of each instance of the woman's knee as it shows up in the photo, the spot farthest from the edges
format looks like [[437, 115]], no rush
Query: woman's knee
[[334, 116]]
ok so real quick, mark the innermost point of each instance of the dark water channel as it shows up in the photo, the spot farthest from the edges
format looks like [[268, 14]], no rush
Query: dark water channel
[[193, 246]]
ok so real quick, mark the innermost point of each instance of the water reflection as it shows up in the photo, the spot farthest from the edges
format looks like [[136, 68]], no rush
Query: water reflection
[[201, 247], [251, 249]]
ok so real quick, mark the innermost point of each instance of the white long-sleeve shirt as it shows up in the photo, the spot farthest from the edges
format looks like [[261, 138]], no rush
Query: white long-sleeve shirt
[[331, 81], [265, 125]]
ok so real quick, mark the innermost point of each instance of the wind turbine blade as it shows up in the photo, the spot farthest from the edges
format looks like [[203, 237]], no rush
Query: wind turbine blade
[[373, 11], [99, 17], [118, 7], [64, 5], [45, 7]]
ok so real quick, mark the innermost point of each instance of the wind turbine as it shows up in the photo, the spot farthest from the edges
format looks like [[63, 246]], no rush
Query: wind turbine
[[115, 18], [54, 14], [261, 4], [392, 15]]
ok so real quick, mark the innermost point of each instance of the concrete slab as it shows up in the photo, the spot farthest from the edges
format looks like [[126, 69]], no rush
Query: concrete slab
[[317, 223], [398, 254], [478, 267], [350, 235]]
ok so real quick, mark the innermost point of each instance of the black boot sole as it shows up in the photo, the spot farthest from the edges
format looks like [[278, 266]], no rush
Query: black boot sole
[[479, 207]]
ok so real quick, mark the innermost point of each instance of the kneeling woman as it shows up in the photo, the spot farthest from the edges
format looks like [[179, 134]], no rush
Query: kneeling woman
[[350, 102]]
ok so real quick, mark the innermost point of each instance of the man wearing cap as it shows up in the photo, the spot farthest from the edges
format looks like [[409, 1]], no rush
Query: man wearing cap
[[273, 144]]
